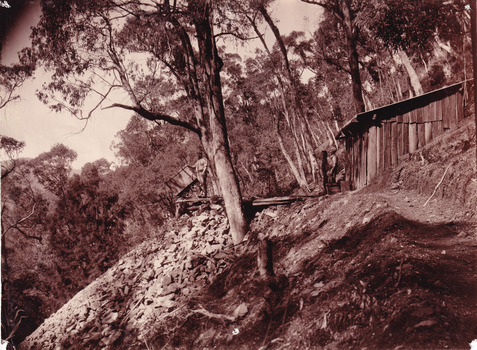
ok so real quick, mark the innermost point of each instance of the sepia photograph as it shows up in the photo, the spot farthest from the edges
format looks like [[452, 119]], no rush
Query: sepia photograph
[[238, 174]]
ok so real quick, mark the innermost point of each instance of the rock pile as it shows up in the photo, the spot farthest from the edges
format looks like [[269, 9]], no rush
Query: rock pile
[[146, 285]]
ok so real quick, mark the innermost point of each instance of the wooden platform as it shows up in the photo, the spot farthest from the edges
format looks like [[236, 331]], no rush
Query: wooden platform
[[255, 202]]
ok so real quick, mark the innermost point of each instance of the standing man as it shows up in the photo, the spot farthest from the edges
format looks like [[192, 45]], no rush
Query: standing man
[[324, 170], [333, 165], [201, 173]]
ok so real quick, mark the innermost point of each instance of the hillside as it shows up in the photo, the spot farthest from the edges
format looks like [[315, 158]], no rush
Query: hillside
[[393, 266]]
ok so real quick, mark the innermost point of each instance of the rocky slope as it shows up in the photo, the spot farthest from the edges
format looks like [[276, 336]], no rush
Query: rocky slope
[[145, 285], [393, 266]]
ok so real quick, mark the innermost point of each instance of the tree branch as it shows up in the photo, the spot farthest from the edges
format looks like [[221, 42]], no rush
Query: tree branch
[[157, 116], [201, 310], [326, 7], [15, 226]]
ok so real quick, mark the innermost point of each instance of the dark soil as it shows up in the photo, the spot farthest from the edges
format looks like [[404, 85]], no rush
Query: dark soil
[[389, 267]]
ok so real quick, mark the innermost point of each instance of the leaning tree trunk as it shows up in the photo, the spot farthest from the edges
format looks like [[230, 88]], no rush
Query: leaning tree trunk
[[299, 128], [413, 77], [215, 141]]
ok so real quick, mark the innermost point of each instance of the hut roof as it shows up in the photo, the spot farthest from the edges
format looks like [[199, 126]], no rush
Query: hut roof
[[366, 119]]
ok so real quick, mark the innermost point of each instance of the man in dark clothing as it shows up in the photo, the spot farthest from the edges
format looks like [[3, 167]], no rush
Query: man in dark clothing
[[324, 169]]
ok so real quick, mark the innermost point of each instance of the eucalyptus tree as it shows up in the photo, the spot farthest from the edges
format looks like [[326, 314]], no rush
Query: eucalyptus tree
[[290, 119], [421, 29], [13, 77], [144, 56], [409, 28], [53, 168], [10, 147], [346, 11], [23, 224]]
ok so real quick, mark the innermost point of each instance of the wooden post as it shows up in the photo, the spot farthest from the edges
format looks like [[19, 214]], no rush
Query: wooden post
[[265, 259]]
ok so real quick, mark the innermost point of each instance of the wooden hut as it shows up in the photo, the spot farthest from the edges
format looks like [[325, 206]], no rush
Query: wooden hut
[[378, 139]]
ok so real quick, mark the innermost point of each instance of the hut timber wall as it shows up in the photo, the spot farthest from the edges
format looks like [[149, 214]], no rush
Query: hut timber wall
[[377, 140]]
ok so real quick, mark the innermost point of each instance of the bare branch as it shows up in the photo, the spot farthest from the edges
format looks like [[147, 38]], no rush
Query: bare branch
[[19, 222], [157, 116]]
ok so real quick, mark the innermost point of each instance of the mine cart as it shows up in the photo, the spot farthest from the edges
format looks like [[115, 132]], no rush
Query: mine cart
[[184, 184]]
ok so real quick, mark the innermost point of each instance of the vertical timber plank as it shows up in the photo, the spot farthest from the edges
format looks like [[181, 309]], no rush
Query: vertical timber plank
[[426, 110], [354, 183], [439, 105], [428, 131], [413, 116], [412, 137], [406, 118], [419, 115], [432, 111], [348, 159], [394, 144], [459, 106], [405, 138], [358, 160], [379, 149], [421, 135], [400, 146], [372, 154], [364, 160], [386, 146], [445, 114], [452, 111]]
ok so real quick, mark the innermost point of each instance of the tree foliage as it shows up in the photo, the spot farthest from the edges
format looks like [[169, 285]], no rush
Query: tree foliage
[[414, 25], [179, 61], [53, 168]]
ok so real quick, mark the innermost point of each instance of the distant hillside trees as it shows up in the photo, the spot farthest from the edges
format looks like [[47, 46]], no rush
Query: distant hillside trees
[[59, 232], [28, 280]]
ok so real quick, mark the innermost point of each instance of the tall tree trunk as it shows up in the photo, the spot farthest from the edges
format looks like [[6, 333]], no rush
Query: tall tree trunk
[[298, 125], [351, 43], [299, 177], [415, 83], [216, 141]]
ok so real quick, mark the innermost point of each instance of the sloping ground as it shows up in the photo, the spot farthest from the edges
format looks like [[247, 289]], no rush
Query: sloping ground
[[382, 268], [143, 288]]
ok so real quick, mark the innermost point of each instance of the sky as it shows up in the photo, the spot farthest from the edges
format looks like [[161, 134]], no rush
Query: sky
[[31, 121]]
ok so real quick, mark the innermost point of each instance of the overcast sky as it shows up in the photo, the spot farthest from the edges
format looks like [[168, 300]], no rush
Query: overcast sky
[[30, 121]]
